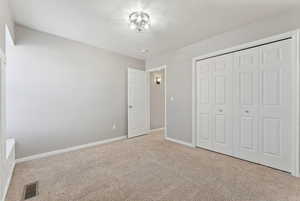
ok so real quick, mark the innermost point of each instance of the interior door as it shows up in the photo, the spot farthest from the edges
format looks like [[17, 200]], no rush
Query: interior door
[[204, 104], [222, 104], [275, 109], [246, 104], [137, 122]]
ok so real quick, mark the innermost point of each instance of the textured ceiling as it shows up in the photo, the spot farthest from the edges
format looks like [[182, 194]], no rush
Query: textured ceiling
[[175, 23]]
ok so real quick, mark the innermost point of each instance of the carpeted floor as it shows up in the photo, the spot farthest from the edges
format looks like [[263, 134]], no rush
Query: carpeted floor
[[148, 168]]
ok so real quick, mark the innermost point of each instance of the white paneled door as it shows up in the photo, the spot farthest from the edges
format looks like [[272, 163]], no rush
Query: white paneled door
[[244, 104], [214, 85], [204, 104], [275, 104], [137, 122], [222, 104]]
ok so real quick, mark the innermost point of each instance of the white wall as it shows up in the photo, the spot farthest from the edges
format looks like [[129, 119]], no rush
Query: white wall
[[62, 93], [179, 65], [5, 19], [157, 101]]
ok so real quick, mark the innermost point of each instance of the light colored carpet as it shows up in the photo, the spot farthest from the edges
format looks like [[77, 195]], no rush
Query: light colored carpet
[[149, 168]]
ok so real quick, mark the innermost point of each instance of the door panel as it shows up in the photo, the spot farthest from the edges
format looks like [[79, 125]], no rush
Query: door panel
[[137, 123], [220, 89], [204, 127], [246, 88], [204, 90], [222, 104], [271, 87], [220, 129], [275, 110], [203, 104], [271, 136], [214, 106], [247, 133], [246, 92]]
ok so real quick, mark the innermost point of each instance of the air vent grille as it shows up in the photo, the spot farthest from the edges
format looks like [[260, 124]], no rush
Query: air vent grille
[[30, 190]]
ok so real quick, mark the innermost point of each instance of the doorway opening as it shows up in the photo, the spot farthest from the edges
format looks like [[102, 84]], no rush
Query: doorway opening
[[156, 91]]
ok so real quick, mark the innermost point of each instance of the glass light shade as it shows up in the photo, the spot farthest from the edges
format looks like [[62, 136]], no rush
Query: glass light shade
[[139, 21], [157, 79]]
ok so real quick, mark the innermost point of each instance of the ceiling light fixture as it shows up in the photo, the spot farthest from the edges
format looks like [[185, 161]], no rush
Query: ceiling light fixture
[[140, 21]]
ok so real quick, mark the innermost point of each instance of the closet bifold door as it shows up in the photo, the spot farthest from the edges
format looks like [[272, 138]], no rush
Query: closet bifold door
[[246, 104], [275, 104], [243, 102], [262, 107], [204, 104], [214, 104], [221, 108]]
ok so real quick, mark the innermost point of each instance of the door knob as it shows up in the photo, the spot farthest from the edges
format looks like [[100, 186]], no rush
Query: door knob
[[130, 106], [247, 111], [220, 110]]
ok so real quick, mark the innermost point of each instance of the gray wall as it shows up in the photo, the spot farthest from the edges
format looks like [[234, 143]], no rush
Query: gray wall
[[179, 67], [62, 93], [157, 101]]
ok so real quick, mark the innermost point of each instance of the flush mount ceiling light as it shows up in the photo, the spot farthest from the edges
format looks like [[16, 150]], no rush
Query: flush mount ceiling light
[[140, 21]]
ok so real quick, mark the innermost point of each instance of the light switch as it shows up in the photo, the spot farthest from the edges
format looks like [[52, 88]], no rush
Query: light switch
[[172, 98]]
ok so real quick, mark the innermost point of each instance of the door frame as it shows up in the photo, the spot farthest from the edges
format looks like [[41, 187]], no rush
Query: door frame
[[294, 35], [2, 144], [148, 71]]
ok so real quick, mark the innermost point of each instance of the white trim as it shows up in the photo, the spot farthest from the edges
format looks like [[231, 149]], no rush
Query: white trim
[[295, 104], [2, 55], [164, 67], [9, 147], [10, 38], [180, 142], [248, 45], [60, 151], [147, 132], [295, 168], [8, 182], [10, 167], [156, 129], [156, 69], [194, 105]]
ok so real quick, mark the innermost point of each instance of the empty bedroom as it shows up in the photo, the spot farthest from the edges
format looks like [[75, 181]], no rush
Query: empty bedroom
[[150, 100]]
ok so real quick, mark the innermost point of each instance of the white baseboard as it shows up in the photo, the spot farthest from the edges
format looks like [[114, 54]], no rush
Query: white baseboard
[[180, 142], [156, 129], [8, 182], [60, 151]]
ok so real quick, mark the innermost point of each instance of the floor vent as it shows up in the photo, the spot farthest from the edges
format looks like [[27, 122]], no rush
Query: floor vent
[[30, 190]]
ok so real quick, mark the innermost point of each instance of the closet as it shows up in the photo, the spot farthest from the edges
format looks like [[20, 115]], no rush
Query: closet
[[244, 103]]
